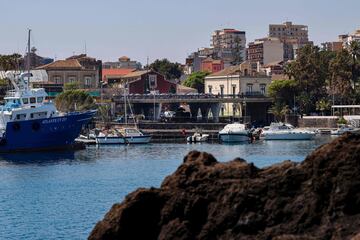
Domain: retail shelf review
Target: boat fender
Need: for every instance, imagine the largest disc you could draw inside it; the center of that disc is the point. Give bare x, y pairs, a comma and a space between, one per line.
35, 126
16, 126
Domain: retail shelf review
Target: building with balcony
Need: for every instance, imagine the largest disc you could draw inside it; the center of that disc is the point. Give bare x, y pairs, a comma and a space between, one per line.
293, 37
240, 81
265, 51
229, 45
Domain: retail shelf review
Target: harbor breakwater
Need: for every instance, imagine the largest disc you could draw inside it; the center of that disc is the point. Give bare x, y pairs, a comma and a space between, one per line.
318, 198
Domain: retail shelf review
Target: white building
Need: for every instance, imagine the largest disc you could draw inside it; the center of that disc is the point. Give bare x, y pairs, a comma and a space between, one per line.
346, 39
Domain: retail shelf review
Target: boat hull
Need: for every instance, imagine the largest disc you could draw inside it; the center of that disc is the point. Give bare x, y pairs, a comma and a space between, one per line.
231, 137
44, 134
124, 140
289, 136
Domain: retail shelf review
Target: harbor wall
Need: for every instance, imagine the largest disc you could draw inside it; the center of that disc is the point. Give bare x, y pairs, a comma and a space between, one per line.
318, 121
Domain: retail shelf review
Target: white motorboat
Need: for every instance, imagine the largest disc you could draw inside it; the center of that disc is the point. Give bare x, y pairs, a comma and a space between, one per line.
282, 131
197, 137
123, 136
343, 129
235, 132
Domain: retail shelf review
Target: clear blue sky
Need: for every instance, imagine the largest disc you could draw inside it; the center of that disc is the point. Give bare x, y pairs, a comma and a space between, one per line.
159, 28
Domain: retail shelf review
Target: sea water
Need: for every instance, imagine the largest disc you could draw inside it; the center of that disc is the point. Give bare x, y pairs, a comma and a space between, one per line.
61, 195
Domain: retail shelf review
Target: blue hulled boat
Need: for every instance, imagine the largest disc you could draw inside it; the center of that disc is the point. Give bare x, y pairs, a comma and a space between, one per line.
28, 122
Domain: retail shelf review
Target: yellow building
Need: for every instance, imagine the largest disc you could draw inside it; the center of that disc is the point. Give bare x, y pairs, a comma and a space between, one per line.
241, 81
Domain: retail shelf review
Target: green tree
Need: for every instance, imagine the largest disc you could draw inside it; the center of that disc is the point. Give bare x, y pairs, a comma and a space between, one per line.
74, 100
283, 91
168, 69
354, 50
279, 111
341, 76
322, 106
196, 80
10, 62
310, 71
104, 113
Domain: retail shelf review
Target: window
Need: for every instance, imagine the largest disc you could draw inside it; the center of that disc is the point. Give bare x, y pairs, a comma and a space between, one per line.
233, 89
40, 99
25, 100
57, 79
262, 88
152, 81
210, 88
249, 87
72, 79
222, 90
88, 81
32, 100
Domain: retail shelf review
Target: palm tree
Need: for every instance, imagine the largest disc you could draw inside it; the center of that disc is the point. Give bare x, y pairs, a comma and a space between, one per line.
322, 105
279, 111
354, 50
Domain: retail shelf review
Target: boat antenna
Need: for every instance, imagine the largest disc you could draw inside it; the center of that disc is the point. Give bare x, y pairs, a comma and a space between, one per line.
28, 60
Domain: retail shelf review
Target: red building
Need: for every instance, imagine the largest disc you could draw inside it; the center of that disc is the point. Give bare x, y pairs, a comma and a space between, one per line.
212, 66
144, 81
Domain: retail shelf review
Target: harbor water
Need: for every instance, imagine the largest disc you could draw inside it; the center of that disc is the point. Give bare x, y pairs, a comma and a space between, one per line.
61, 195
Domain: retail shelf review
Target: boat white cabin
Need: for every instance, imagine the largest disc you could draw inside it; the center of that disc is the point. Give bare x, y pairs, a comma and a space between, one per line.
285, 131
24, 103
235, 132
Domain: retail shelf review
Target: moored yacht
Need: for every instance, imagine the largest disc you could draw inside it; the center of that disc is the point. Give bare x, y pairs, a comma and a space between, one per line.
282, 131
235, 132
123, 136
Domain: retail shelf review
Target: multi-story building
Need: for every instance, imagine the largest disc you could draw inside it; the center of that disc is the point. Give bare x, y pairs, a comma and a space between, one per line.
346, 39
293, 37
265, 51
124, 62
332, 46
229, 45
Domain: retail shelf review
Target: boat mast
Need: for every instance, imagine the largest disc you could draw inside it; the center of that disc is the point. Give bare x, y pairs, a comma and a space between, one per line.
28, 62
125, 113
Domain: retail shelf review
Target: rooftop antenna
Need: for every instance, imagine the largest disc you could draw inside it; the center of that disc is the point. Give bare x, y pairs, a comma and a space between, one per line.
85, 49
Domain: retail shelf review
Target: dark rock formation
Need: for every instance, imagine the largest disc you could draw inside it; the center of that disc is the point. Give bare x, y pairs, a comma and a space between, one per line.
204, 199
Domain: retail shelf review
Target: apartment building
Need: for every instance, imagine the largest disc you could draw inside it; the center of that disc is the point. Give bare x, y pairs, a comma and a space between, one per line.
293, 36
229, 45
346, 39
265, 51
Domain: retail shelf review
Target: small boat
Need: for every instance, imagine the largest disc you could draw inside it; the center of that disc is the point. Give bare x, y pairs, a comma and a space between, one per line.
282, 131
123, 136
197, 137
343, 129
235, 132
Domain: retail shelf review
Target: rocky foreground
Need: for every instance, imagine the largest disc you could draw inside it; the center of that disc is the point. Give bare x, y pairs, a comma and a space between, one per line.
204, 199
